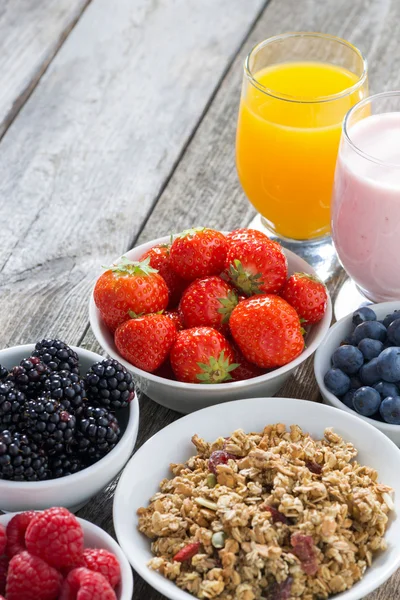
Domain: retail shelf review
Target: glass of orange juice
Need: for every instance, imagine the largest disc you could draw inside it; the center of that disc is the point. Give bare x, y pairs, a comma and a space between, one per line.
297, 89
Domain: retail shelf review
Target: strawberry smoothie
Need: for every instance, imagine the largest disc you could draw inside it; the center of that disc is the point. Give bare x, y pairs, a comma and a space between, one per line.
366, 205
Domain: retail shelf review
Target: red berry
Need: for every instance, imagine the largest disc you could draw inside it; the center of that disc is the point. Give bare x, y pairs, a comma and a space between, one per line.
208, 303
308, 296
187, 552
198, 252
3, 573
31, 578
255, 264
202, 355
304, 549
146, 341
82, 584
104, 562
160, 260
3, 539
16, 529
176, 317
267, 330
129, 287
246, 369
219, 457
243, 234
56, 536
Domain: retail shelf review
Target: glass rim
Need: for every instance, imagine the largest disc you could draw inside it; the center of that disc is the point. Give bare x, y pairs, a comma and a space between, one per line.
346, 133
299, 99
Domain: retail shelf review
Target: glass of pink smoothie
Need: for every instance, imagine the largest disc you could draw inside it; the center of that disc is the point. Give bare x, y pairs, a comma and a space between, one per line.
366, 197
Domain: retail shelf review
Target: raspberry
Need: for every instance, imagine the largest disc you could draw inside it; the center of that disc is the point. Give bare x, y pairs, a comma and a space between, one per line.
56, 536
3, 574
82, 584
16, 532
3, 539
30, 578
104, 562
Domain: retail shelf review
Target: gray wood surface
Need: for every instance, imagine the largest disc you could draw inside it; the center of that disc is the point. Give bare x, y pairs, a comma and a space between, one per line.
31, 33
129, 135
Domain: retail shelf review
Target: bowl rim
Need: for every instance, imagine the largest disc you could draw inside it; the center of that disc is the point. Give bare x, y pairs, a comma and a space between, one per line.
323, 327
126, 584
154, 579
76, 478
387, 428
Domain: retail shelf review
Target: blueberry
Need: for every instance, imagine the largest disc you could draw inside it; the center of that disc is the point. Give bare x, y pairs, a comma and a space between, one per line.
355, 383
386, 389
370, 329
390, 318
363, 314
390, 410
388, 364
370, 348
337, 382
393, 332
369, 372
348, 358
366, 401
348, 341
348, 399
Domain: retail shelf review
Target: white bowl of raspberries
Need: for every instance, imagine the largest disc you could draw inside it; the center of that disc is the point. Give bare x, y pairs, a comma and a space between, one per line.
53, 555
204, 317
68, 424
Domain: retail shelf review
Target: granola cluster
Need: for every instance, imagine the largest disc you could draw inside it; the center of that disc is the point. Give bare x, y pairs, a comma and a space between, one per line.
274, 515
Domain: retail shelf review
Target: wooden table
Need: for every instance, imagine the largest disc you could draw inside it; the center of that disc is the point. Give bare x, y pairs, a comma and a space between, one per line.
118, 124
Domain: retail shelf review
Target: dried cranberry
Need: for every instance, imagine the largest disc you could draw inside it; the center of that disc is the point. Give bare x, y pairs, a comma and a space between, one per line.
276, 515
314, 467
303, 548
219, 457
279, 591
187, 552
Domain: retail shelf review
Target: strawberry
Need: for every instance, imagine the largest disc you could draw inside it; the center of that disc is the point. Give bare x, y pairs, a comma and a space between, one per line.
208, 303
176, 317
255, 264
198, 252
246, 369
308, 296
146, 341
160, 260
243, 234
129, 286
267, 330
202, 355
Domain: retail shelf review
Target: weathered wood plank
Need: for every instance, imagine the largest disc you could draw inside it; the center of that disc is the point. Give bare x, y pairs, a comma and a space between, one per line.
30, 35
93, 146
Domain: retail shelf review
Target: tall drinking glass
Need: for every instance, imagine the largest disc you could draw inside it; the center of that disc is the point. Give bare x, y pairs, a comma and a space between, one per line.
366, 200
296, 91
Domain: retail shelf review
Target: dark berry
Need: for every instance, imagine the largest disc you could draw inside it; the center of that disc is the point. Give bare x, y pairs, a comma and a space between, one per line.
12, 402
347, 399
386, 389
388, 364
337, 382
348, 358
57, 355
393, 332
3, 372
391, 317
109, 384
65, 464
97, 433
370, 329
68, 388
20, 458
49, 425
30, 375
390, 410
363, 314
366, 401
370, 348
369, 373
355, 383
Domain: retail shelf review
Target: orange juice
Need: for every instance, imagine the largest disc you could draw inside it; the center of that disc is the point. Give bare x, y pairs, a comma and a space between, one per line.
287, 142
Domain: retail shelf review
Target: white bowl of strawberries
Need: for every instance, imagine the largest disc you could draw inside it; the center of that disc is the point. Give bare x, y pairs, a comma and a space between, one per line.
234, 311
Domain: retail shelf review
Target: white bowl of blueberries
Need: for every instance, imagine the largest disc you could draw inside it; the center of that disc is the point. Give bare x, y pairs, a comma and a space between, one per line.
357, 366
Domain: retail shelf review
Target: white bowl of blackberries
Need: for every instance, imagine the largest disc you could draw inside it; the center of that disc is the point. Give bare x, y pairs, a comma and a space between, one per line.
357, 366
68, 424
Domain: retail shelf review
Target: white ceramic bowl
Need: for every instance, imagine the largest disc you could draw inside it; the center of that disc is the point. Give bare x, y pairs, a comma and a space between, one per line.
188, 397
95, 537
150, 464
75, 490
322, 364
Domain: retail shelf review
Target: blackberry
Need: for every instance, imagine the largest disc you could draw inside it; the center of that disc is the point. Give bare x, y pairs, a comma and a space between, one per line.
68, 388
20, 459
3, 372
49, 425
57, 355
65, 464
12, 402
97, 433
30, 376
109, 384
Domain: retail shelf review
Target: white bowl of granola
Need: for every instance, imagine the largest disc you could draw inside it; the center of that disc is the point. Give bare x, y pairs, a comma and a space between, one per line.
283, 513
